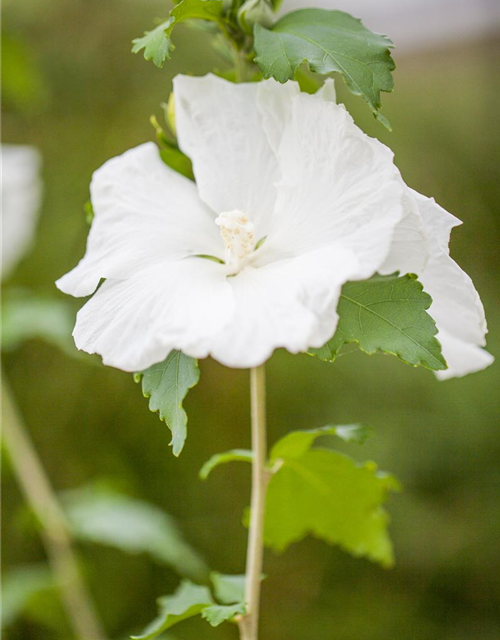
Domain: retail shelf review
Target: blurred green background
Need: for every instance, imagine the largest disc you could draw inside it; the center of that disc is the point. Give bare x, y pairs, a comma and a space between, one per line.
72, 88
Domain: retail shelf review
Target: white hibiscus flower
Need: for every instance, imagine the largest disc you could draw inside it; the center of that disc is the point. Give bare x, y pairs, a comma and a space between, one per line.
21, 196
292, 200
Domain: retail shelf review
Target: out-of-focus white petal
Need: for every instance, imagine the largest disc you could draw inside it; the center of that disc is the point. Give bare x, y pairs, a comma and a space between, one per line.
135, 323
456, 306
338, 185
21, 197
219, 127
291, 303
145, 213
462, 357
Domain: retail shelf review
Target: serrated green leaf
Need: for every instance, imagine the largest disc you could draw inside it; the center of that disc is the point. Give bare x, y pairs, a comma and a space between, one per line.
106, 517
297, 443
189, 600
166, 385
228, 589
234, 455
219, 613
329, 41
157, 44
328, 495
388, 314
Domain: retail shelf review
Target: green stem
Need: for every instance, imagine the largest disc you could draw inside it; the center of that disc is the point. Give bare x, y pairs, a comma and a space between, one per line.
240, 66
54, 529
249, 624
238, 55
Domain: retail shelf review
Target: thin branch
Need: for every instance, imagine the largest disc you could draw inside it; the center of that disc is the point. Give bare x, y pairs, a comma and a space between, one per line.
249, 623
54, 529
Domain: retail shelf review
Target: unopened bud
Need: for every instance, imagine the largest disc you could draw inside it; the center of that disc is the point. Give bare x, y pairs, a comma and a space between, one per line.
256, 12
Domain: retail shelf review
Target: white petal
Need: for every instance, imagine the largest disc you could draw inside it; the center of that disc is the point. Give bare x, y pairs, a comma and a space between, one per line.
219, 127
437, 221
327, 91
135, 323
462, 357
191, 306
409, 251
338, 185
144, 213
21, 196
274, 101
290, 304
456, 306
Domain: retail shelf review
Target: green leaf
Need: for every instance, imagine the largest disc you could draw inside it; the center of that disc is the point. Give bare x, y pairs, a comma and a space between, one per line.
328, 41
19, 586
197, 9
170, 153
322, 492
388, 314
178, 161
26, 316
219, 613
326, 494
157, 44
24, 87
106, 517
166, 385
228, 589
296, 443
189, 600
243, 455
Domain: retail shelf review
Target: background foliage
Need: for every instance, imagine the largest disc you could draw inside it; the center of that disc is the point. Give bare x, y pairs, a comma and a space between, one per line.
86, 99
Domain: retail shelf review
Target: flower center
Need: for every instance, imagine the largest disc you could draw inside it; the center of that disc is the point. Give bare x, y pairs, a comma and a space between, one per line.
237, 233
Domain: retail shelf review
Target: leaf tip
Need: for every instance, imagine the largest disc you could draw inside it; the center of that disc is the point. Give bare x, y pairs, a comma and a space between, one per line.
177, 447
204, 472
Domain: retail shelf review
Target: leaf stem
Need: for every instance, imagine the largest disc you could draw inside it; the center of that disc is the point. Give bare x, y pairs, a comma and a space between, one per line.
249, 623
240, 66
54, 529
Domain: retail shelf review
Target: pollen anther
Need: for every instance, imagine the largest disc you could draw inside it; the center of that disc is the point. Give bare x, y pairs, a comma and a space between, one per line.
237, 233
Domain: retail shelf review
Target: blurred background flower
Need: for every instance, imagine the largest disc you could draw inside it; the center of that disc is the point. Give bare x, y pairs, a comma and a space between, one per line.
72, 90
21, 198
